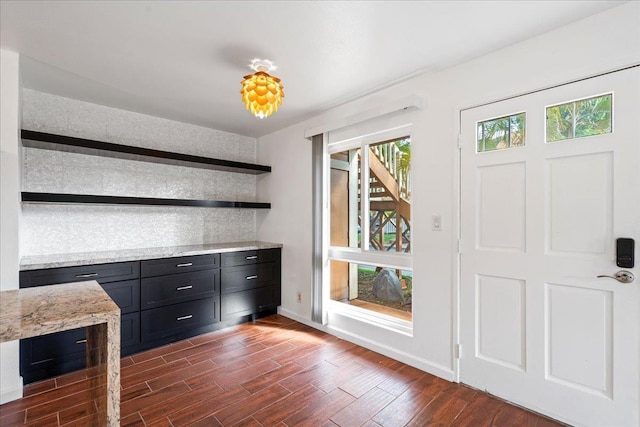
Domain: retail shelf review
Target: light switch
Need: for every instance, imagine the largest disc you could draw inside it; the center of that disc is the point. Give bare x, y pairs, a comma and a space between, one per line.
436, 223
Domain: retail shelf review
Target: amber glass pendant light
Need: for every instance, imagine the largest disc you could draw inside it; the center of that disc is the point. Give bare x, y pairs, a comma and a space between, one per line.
261, 92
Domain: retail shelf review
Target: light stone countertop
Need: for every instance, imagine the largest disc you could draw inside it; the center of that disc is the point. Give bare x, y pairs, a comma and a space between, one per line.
41, 310
37, 262
46, 309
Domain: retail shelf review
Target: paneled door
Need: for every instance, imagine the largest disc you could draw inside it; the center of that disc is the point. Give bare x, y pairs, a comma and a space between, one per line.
549, 181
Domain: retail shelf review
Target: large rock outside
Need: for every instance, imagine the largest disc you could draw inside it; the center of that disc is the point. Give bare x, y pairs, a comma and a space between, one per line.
386, 286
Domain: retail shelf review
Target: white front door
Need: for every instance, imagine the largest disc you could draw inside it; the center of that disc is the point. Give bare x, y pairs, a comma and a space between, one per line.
539, 222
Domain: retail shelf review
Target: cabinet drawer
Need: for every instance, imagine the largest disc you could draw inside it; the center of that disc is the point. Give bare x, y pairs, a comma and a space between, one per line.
248, 257
248, 302
103, 273
166, 321
164, 290
236, 279
126, 294
56, 354
159, 267
48, 348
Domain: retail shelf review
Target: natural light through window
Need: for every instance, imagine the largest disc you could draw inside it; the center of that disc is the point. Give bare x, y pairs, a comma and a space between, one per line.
370, 225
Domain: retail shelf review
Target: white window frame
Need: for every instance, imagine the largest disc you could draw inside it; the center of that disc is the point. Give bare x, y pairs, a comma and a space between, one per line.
574, 101
361, 255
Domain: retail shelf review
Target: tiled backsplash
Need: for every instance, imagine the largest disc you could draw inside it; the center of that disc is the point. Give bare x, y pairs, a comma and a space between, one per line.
50, 229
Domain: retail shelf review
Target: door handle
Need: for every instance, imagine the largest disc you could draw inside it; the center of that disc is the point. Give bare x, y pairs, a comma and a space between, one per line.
622, 276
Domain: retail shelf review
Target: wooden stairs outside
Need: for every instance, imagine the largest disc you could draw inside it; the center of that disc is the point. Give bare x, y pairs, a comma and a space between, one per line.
388, 194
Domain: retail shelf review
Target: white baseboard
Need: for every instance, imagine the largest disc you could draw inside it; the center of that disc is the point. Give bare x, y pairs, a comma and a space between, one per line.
14, 393
417, 362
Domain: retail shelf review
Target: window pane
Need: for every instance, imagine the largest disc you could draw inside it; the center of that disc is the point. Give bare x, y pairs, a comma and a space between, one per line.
578, 119
383, 290
593, 116
560, 122
345, 190
517, 130
501, 133
390, 196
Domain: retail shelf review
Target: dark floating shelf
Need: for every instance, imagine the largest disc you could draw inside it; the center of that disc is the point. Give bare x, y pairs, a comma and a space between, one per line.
30, 197
48, 141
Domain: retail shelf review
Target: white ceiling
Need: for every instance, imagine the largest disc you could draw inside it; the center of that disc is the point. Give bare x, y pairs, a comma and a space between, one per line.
184, 60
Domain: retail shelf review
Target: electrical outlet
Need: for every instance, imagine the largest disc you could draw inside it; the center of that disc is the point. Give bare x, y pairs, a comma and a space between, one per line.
299, 297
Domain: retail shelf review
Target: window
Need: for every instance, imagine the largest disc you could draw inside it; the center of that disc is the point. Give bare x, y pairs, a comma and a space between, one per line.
370, 223
500, 133
382, 290
577, 119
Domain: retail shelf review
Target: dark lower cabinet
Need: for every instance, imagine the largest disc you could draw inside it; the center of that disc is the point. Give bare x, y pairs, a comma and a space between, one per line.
103, 273
177, 318
164, 266
246, 277
55, 354
174, 288
250, 282
129, 332
248, 302
126, 294
161, 301
50, 355
179, 296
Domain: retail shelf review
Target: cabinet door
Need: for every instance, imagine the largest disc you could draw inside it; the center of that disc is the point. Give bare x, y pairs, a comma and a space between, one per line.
160, 267
248, 302
103, 273
129, 331
176, 288
126, 294
166, 321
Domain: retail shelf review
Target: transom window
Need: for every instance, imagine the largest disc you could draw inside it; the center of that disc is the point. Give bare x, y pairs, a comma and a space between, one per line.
501, 132
580, 118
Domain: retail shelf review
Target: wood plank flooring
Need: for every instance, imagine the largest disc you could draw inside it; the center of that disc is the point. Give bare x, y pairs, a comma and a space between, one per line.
271, 372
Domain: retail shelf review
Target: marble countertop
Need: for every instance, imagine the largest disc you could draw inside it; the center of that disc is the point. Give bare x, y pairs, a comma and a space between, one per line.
37, 262
43, 310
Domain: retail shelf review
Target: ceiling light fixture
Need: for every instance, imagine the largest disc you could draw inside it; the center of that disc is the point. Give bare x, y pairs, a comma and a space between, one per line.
261, 92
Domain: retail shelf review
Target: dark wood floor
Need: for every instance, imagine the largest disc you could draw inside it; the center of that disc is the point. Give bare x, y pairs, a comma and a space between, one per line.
272, 372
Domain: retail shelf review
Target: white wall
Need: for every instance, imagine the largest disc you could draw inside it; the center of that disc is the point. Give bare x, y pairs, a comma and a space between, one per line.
52, 228
10, 380
600, 43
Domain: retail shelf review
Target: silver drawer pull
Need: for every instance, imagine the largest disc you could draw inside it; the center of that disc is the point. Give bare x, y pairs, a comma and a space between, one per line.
81, 341
184, 288
251, 277
251, 257
188, 316
84, 276
186, 264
